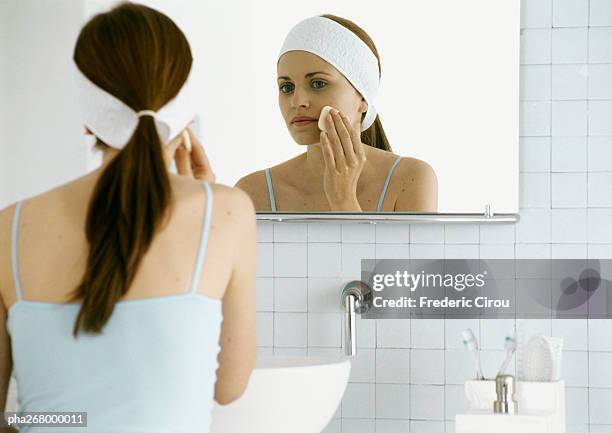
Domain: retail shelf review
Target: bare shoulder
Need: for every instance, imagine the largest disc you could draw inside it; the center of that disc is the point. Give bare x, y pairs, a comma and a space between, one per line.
255, 186
416, 186
6, 219
232, 202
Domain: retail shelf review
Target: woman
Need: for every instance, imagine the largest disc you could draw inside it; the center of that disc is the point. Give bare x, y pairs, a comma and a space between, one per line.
123, 291
348, 166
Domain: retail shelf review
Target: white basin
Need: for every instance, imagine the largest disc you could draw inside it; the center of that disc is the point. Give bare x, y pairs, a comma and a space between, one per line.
286, 394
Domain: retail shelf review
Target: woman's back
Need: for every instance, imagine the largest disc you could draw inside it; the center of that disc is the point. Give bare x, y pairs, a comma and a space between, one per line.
154, 363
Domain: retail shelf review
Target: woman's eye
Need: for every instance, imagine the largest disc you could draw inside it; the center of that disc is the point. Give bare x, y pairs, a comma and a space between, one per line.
286, 88
318, 84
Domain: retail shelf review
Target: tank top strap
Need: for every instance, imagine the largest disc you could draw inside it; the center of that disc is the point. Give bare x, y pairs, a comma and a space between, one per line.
270, 190
14, 251
203, 237
387, 180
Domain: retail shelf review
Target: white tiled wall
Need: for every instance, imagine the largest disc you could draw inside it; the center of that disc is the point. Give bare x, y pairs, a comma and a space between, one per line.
408, 375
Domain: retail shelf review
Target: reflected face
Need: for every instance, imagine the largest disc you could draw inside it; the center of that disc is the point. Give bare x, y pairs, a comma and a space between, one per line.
307, 83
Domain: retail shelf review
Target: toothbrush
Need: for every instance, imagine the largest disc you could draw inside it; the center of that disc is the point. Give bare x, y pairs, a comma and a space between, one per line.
469, 341
510, 346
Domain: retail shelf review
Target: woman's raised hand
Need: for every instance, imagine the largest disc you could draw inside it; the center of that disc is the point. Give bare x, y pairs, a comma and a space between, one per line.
194, 164
344, 157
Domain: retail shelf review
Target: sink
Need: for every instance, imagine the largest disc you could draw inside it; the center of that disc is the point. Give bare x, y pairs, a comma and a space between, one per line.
286, 394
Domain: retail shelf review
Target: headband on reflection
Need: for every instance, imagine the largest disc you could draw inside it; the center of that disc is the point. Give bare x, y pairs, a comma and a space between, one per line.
343, 49
114, 122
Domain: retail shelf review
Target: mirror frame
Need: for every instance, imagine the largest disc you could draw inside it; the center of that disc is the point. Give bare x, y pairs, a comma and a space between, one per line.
374, 218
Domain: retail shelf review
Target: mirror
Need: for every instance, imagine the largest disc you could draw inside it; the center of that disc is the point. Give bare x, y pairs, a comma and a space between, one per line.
448, 103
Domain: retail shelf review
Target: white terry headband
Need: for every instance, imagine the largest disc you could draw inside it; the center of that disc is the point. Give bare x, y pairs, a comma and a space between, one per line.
114, 122
343, 49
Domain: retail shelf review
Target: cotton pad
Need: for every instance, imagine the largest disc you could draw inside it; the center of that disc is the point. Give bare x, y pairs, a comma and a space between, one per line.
324, 112
186, 141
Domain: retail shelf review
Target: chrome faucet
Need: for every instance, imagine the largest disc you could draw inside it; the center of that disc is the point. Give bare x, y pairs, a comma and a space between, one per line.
504, 388
356, 298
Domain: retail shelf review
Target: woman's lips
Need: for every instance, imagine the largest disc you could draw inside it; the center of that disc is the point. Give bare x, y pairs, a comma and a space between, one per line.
303, 122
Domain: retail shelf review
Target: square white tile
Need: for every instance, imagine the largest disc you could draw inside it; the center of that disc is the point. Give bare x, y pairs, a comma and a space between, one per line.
534, 154
359, 401
290, 232
324, 260
265, 259
573, 332
535, 82
600, 45
534, 190
392, 233
393, 401
392, 426
535, 118
325, 295
290, 295
265, 329
352, 254
569, 225
264, 299
600, 373
427, 333
601, 13
393, 366
290, 259
569, 82
569, 154
569, 118
570, 13
569, 190
600, 335
600, 81
569, 45
324, 232
598, 225
363, 366
325, 329
600, 189
535, 46
459, 366
461, 233
536, 13
358, 426
265, 231
427, 233
600, 153
427, 367
599, 401
600, 118
533, 226
358, 232
290, 329
427, 402
393, 333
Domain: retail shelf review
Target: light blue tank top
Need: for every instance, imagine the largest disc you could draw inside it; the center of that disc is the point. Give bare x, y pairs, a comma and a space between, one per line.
381, 199
152, 370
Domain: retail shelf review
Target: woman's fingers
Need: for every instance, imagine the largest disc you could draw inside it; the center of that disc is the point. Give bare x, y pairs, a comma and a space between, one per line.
345, 139
182, 159
355, 138
199, 161
336, 145
328, 154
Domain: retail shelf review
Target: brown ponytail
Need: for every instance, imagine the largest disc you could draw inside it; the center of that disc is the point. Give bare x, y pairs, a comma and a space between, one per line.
140, 56
375, 135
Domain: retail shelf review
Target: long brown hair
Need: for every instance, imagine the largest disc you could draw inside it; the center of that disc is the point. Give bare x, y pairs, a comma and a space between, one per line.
375, 135
141, 57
